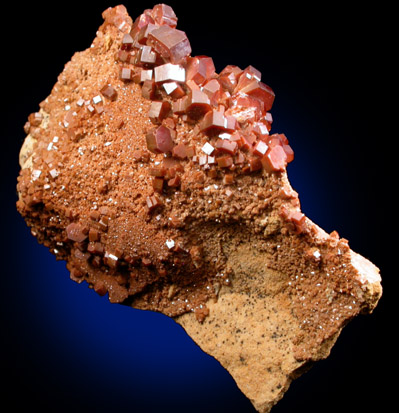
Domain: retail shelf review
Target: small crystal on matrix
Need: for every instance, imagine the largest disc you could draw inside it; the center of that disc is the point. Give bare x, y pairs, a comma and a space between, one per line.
159, 140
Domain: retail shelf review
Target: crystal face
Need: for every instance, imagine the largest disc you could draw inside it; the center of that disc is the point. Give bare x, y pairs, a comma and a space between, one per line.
159, 110
170, 43
200, 69
109, 92
275, 159
164, 14
76, 232
169, 72
159, 140
198, 104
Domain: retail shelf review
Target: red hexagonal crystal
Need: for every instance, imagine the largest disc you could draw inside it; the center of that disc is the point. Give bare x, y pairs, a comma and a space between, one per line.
231, 123
225, 161
76, 232
226, 146
289, 152
170, 43
247, 141
261, 130
260, 148
298, 218
145, 75
214, 121
200, 68
282, 137
119, 17
109, 92
281, 140
228, 77
197, 104
159, 110
260, 91
126, 73
146, 56
153, 202
164, 14
144, 32
248, 75
35, 119
169, 72
211, 87
157, 184
174, 90
127, 42
245, 108
180, 105
148, 89
255, 164
159, 140
239, 159
141, 22
220, 97
275, 159
175, 181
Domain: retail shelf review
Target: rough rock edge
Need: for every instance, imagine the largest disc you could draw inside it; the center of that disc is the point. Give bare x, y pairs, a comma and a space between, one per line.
243, 354
275, 362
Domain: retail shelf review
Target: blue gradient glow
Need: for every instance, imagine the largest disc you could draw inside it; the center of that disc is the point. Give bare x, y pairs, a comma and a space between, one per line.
106, 355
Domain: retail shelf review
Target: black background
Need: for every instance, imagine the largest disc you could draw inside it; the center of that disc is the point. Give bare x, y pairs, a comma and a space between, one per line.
329, 66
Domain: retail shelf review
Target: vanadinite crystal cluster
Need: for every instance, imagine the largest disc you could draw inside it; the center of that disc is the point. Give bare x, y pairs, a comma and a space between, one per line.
194, 134
159, 182
228, 112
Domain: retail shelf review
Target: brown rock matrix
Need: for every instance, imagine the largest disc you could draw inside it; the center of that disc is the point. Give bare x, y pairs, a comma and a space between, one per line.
160, 183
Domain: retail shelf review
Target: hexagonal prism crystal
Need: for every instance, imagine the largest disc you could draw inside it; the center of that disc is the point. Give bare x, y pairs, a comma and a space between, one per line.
260, 129
141, 22
126, 73
144, 32
213, 121
228, 77
211, 87
225, 161
260, 91
179, 106
146, 56
169, 72
159, 110
275, 159
127, 42
248, 74
174, 90
109, 92
159, 140
198, 104
148, 89
226, 146
200, 69
164, 14
170, 43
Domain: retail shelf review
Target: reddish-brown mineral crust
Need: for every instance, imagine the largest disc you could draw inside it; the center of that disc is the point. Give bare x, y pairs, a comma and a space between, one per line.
156, 179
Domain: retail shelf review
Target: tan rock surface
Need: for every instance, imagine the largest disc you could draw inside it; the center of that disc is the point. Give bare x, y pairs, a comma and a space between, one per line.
252, 328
